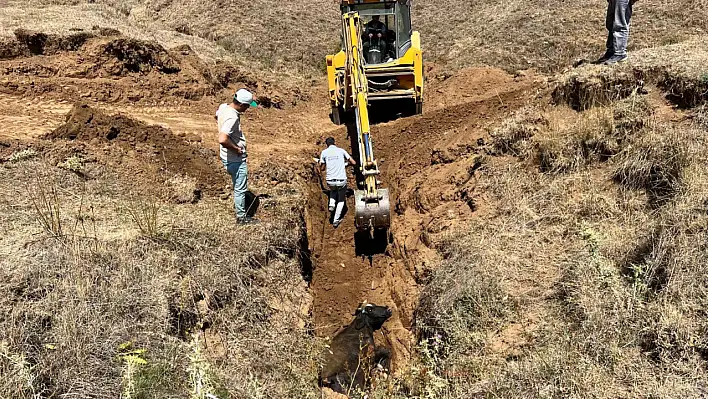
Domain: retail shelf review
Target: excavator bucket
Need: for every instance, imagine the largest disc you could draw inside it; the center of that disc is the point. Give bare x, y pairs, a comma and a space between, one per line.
372, 214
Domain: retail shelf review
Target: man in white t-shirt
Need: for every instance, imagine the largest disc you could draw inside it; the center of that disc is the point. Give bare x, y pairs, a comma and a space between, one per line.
336, 159
232, 148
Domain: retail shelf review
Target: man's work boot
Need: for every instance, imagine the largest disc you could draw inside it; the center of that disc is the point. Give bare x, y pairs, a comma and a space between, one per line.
608, 54
247, 221
616, 59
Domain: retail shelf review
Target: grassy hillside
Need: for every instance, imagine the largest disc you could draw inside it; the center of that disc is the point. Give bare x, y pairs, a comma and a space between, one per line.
520, 34
588, 280
292, 38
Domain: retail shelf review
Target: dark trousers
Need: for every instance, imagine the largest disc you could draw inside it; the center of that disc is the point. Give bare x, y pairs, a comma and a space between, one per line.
619, 12
337, 197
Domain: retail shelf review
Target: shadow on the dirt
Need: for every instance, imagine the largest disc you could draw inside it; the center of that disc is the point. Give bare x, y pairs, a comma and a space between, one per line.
252, 203
368, 244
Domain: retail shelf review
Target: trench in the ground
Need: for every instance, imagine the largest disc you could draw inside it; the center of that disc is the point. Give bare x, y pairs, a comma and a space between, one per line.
345, 270
349, 268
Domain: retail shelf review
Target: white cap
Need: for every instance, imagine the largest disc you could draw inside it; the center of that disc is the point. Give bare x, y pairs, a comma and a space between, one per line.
244, 96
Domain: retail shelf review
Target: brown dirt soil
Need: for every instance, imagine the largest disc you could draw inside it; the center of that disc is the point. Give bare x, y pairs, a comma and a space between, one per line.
428, 163
120, 70
154, 144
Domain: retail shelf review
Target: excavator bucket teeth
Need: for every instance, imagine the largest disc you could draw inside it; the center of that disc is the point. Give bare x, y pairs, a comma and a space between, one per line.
372, 214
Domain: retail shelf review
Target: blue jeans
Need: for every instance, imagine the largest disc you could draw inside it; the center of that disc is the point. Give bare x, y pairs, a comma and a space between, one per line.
239, 177
619, 13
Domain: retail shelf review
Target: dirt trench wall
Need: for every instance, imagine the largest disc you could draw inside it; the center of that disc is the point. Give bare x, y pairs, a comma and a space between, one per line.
344, 276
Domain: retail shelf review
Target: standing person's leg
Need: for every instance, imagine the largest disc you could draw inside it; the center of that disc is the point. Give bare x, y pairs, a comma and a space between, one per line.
622, 13
239, 177
332, 197
609, 23
341, 196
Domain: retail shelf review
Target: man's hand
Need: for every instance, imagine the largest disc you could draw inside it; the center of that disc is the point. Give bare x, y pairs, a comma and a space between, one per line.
225, 141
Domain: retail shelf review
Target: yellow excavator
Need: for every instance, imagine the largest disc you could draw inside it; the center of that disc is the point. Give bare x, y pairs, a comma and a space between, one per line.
380, 67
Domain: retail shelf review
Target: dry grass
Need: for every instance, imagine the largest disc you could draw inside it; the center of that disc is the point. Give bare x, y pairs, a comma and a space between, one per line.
535, 34
100, 311
512, 35
594, 277
655, 162
678, 69
560, 140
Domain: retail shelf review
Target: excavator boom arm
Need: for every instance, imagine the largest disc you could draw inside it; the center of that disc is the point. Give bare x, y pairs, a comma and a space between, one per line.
372, 205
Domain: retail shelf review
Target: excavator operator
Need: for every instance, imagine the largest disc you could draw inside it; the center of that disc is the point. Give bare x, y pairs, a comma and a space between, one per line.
375, 28
376, 38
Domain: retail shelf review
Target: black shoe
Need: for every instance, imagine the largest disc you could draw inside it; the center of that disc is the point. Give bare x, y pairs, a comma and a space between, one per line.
608, 54
616, 59
247, 221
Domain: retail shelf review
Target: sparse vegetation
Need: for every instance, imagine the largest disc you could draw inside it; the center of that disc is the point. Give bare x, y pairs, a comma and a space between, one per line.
22, 155
568, 260
45, 201
611, 259
74, 163
145, 215
70, 309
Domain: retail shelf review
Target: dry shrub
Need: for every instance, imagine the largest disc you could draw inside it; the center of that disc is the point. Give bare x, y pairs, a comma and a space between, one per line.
45, 201
514, 133
573, 141
655, 162
561, 140
565, 147
72, 309
144, 213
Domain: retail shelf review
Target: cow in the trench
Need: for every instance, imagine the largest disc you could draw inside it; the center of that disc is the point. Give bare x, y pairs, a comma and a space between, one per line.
352, 355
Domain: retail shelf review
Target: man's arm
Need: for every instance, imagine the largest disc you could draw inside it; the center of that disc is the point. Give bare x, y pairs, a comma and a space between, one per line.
225, 138
226, 141
349, 158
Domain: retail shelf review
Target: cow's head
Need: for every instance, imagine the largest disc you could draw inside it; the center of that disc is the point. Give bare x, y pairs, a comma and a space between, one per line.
368, 314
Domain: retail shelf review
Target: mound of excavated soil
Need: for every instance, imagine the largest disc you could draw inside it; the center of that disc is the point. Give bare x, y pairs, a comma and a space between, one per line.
154, 144
29, 43
104, 66
124, 55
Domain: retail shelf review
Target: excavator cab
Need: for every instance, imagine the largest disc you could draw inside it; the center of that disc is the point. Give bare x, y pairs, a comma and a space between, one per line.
393, 62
